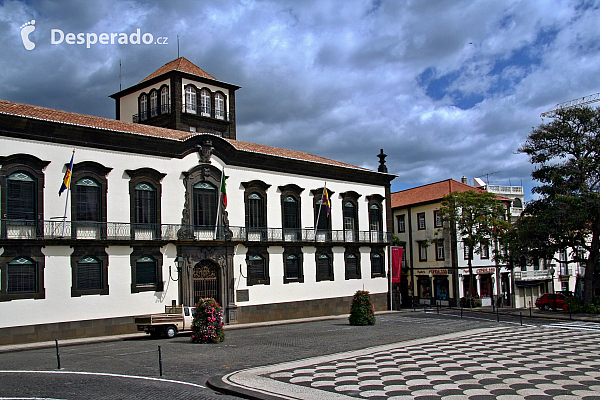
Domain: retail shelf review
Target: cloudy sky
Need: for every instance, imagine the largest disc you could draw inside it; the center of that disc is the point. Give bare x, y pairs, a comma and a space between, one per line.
446, 88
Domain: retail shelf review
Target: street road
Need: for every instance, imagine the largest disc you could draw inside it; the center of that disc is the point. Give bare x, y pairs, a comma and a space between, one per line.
130, 369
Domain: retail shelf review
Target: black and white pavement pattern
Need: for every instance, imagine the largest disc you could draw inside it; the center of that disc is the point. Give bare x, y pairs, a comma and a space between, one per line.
558, 361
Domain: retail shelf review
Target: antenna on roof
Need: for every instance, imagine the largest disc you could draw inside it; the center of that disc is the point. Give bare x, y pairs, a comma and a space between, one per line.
178, 45
487, 176
119, 74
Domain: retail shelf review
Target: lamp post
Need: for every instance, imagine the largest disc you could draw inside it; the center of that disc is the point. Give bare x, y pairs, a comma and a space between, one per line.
551, 270
431, 286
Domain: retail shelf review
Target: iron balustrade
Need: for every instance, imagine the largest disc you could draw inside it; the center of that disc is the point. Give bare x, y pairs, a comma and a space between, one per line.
56, 229
154, 112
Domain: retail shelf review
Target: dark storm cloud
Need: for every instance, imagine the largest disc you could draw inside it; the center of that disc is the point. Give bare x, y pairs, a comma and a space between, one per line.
446, 88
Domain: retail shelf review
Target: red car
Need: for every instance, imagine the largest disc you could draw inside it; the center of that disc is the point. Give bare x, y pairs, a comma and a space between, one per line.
551, 301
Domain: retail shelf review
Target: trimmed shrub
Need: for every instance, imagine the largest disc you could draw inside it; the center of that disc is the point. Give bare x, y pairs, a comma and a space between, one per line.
362, 311
207, 326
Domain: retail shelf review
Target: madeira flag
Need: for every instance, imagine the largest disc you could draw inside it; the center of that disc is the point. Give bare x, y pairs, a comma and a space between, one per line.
67, 179
325, 201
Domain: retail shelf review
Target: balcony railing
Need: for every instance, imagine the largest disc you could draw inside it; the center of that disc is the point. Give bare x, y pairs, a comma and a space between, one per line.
208, 112
532, 275
498, 189
56, 229
156, 111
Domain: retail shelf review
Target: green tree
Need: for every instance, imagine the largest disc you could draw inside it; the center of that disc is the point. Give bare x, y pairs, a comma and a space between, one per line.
566, 156
478, 219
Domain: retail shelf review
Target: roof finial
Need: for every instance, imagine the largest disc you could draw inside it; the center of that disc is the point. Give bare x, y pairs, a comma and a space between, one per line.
382, 166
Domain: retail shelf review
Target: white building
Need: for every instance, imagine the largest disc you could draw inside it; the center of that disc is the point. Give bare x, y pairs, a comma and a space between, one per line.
146, 225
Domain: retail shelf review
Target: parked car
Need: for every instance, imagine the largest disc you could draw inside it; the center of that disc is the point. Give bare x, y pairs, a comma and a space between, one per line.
175, 319
551, 301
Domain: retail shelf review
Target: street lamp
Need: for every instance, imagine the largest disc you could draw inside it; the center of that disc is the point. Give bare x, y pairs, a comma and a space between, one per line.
431, 286
178, 266
551, 270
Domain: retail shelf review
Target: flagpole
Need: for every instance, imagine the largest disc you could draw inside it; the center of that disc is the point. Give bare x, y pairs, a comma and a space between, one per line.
219, 203
68, 190
319, 212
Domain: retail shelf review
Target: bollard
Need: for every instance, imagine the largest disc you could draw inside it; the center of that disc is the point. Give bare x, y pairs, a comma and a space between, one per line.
497, 315
159, 361
438, 309
530, 311
461, 309
424, 308
521, 317
414, 306
570, 312
57, 353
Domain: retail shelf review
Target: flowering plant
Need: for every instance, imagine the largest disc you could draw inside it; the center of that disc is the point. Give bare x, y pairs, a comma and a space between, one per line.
362, 311
207, 326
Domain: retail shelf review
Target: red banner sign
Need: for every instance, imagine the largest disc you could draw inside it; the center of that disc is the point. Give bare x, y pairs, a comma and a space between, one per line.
396, 263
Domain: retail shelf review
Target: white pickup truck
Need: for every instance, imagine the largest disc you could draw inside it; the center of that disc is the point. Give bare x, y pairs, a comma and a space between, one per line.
175, 319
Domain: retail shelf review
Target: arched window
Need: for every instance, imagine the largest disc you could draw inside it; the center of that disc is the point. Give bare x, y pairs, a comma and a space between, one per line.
21, 197
164, 100
205, 103
143, 107
377, 264
292, 267
204, 204
350, 221
153, 103
324, 267
352, 265
89, 274
190, 100
375, 218
291, 214
219, 106
22, 276
144, 204
145, 271
322, 219
88, 200
257, 269
256, 212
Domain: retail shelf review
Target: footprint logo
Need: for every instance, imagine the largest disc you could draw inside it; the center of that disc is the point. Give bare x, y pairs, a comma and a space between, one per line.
26, 29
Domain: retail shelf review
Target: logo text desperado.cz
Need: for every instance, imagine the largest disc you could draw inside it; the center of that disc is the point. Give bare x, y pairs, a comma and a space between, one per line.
57, 36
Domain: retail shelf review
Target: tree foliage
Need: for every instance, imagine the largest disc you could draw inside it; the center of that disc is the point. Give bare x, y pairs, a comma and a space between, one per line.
479, 220
566, 156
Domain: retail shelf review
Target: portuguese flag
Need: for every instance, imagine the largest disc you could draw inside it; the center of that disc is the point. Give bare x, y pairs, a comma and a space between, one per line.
223, 189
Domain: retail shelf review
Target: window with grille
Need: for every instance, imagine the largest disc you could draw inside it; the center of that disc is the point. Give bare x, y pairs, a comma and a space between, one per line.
349, 217
466, 254
439, 251
22, 276
145, 204
292, 267
324, 267
153, 103
164, 100
143, 107
421, 221
219, 106
89, 274
437, 219
256, 269
352, 266
256, 212
145, 271
375, 218
205, 103
401, 222
485, 252
190, 100
422, 251
291, 213
205, 204
21, 197
88, 200
377, 264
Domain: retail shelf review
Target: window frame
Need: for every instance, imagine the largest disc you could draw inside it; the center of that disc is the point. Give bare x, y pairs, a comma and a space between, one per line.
153, 178
149, 251
165, 100
422, 250
317, 204
437, 219
440, 254
219, 100
251, 253
401, 223
205, 102
154, 108
352, 271
32, 253
254, 222
421, 218
297, 252
324, 251
143, 107
381, 256
190, 103
99, 253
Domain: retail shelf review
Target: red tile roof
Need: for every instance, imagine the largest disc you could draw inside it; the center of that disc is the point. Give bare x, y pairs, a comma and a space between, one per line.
90, 121
181, 64
430, 192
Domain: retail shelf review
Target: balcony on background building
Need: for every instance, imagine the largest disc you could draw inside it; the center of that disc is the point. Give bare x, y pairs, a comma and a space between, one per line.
505, 190
117, 231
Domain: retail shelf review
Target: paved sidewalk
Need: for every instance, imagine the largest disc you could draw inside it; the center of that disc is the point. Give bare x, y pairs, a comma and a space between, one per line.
501, 363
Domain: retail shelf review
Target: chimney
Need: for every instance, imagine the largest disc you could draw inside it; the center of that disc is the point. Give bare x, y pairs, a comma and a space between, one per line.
464, 180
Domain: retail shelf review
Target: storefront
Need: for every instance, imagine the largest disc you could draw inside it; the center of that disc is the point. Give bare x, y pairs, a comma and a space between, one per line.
433, 286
